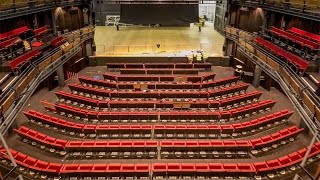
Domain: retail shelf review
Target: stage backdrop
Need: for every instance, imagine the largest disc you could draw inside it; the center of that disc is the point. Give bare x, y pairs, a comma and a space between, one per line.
164, 14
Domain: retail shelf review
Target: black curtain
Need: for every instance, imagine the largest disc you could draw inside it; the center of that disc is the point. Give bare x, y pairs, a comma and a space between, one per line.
163, 14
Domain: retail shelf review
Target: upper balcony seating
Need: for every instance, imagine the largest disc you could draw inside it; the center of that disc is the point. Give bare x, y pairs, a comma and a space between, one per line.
67, 146
159, 65
41, 31
58, 41
6, 45
158, 85
271, 168
308, 35
160, 131
101, 93
297, 39
295, 60
92, 103
25, 58
194, 79
14, 33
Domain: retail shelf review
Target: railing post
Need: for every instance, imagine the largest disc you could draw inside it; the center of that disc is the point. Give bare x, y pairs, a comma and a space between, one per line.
5, 145
304, 161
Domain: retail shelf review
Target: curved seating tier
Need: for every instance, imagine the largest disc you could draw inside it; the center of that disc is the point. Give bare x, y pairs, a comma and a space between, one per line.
159, 65
166, 148
14, 33
89, 102
308, 35
159, 71
158, 85
158, 94
172, 131
164, 116
25, 58
297, 39
194, 79
298, 61
275, 168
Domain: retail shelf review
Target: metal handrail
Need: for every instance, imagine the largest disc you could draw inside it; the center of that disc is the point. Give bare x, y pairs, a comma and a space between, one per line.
305, 113
26, 72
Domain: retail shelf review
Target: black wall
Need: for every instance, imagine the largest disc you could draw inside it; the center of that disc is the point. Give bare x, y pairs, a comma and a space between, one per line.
167, 15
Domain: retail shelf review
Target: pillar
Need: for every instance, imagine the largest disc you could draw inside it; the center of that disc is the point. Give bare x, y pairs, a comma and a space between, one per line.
303, 125
13, 126
257, 76
89, 48
318, 60
54, 23
60, 75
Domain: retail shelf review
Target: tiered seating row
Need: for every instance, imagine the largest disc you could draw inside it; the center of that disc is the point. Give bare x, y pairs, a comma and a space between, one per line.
102, 93
14, 33
305, 34
159, 65
158, 85
25, 58
196, 170
40, 31
114, 116
302, 41
8, 43
193, 79
301, 63
159, 71
77, 99
58, 41
160, 131
151, 145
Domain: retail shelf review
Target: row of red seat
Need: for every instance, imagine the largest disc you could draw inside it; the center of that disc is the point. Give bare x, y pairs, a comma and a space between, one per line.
157, 103
301, 63
193, 79
300, 40
194, 169
159, 65
129, 145
13, 33
166, 115
113, 129
308, 35
25, 58
58, 41
8, 43
159, 71
159, 85
160, 94
40, 31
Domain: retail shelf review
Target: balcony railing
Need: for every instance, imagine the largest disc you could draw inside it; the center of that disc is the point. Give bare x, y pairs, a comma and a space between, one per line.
300, 94
14, 98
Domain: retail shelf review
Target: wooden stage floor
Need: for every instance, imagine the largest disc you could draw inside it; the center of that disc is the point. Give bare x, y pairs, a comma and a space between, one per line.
143, 40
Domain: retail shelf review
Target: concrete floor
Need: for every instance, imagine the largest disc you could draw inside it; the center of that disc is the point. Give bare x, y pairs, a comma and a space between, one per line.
143, 40
44, 94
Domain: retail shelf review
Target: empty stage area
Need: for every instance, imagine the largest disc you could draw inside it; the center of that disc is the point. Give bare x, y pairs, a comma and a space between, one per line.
144, 40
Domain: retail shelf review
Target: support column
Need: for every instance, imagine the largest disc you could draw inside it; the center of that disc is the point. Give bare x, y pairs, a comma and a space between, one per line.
89, 48
264, 17
13, 126
54, 23
60, 75
318, 61
304, 126
257, 76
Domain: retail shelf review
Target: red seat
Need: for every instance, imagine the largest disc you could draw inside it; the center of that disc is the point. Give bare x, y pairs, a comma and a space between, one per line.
57, 41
